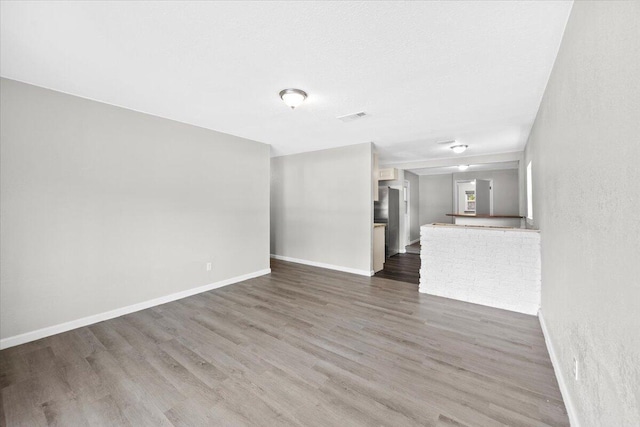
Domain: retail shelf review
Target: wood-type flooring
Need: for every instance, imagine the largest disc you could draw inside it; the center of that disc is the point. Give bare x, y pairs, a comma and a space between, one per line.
301, 346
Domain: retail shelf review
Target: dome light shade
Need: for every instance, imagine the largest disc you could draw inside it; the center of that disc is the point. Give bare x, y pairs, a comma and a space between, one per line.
293, 97
459, 148
463, 167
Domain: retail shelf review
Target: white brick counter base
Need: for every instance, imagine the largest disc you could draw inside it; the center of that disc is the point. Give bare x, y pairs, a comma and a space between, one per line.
489, 266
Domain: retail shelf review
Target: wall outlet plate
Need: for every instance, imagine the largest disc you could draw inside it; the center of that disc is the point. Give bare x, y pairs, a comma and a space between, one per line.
208, 266
575, 369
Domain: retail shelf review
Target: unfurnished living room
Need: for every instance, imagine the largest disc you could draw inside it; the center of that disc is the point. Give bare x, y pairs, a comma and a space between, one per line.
322, 213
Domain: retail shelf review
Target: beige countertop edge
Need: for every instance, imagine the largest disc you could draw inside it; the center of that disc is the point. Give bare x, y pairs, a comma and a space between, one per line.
479, 227
375, 224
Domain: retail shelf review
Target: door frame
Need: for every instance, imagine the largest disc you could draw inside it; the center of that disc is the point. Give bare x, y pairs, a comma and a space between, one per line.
407, 188
456, 194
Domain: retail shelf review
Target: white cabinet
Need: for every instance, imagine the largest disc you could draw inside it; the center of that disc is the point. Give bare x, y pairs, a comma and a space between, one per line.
378, 247
388, 174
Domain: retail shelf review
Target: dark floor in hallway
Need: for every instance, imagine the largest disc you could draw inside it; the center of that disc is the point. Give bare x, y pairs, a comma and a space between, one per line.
413, 248
402, 267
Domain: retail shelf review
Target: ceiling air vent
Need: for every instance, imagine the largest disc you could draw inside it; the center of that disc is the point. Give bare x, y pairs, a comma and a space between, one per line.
351, 117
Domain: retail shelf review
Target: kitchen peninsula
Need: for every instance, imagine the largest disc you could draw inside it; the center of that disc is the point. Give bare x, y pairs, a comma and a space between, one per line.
494, 266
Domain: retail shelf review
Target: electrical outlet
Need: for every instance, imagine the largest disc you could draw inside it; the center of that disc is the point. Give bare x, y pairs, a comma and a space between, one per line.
576, 372
208, 266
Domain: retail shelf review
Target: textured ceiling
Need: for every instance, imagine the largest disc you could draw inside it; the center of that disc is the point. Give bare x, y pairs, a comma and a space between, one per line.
424, 71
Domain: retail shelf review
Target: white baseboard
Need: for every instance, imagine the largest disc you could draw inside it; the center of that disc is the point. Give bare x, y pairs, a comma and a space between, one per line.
89, 320
562, 382
323, 265
414, 241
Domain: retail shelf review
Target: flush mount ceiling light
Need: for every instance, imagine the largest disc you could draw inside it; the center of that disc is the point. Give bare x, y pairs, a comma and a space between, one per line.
459, 148
293, 97
463, 167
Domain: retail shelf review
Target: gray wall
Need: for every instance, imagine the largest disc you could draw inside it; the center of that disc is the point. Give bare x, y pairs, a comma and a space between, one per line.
322, 206
435, 198
103, 207
506, 188
414, 204
585, 150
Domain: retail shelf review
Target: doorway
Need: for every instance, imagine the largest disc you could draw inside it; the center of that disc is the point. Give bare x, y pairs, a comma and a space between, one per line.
401, 265
473, 197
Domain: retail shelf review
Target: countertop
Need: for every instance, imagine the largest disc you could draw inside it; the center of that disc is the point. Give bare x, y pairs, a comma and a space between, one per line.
484, 216
480, 227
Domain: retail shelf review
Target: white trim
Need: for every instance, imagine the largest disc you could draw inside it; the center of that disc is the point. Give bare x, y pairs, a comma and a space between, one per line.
89, 320
323, 265
562, 382
529, 186
414, 241
407, 214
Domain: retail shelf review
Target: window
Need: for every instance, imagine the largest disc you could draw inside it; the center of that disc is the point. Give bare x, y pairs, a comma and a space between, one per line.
529, 193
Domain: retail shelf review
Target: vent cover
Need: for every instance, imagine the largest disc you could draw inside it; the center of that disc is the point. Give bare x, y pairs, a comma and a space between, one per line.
351, 117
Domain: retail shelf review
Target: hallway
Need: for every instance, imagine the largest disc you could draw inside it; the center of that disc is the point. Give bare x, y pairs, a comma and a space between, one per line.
402, 267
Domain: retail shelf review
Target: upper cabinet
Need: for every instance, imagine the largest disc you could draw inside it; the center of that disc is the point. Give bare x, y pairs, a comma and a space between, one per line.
388, 174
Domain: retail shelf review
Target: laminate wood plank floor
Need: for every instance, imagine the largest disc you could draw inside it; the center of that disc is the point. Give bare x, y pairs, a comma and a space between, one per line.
302, 346
403, 267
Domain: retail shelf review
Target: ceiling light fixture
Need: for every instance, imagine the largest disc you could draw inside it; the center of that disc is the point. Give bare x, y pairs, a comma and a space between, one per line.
459, 148
293, 97
463, 167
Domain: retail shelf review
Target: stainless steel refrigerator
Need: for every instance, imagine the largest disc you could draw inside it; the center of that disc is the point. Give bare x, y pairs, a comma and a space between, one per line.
387, 211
